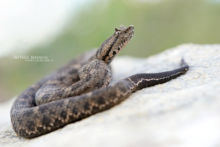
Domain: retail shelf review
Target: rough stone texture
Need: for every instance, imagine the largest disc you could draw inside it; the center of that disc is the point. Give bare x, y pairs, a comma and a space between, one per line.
181, 113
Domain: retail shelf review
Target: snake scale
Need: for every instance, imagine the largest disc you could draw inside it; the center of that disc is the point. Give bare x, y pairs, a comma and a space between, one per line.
80, 89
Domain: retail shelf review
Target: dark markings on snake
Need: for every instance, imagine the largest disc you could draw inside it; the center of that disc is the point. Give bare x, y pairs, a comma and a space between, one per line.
46, 121
80, 89
110, 48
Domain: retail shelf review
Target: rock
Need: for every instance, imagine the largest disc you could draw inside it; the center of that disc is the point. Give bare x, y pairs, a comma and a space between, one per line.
181, 113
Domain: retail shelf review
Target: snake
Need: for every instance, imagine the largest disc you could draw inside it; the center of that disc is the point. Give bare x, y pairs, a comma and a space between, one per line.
81, 88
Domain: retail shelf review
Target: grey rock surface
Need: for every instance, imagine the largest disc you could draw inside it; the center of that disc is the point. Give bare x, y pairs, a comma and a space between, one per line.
181, 113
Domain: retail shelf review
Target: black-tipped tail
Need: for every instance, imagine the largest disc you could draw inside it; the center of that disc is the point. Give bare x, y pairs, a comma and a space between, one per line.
144, 80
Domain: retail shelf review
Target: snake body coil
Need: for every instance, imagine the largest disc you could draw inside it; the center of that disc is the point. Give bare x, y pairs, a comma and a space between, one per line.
80, 89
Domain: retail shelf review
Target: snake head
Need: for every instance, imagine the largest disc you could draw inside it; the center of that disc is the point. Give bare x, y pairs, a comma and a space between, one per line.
115, 43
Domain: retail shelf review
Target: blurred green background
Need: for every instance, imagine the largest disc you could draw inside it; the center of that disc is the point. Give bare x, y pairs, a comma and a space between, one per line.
158, 26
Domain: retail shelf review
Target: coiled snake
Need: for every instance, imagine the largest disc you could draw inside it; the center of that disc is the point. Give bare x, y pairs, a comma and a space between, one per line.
80, 89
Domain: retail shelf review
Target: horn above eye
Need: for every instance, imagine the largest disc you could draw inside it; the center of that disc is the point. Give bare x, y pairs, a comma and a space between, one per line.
116, 29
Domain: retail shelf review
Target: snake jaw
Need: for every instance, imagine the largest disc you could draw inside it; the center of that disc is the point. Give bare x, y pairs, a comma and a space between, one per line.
111, 47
